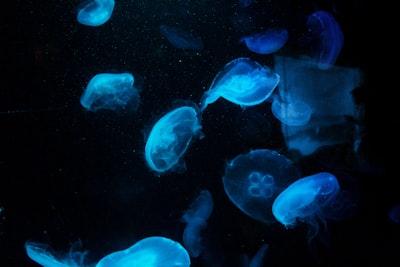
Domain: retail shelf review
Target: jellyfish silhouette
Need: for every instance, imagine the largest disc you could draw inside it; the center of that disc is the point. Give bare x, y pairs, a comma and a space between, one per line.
169, 139
113, 91
253, 180
306, 200
155, 251
196, 218
291, 111
267, 42
180, 38
96, 12
243, 82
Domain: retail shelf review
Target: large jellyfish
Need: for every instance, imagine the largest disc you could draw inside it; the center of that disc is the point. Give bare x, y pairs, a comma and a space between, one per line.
155, 251
306, 200
243, 82
267, 42
114, 91
170, 137
196, 218
253, 180
96, 12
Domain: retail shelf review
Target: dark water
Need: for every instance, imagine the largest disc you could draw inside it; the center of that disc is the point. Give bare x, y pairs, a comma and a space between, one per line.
68, 174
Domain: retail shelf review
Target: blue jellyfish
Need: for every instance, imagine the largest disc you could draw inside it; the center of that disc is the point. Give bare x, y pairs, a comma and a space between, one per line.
243, 82
155, 251
96, 12
112, 91
43, 254
306, 200
253, 180
259, 258
394, 213
181, 39
196, 218
291, 111
266, 42
324, 27
170, 137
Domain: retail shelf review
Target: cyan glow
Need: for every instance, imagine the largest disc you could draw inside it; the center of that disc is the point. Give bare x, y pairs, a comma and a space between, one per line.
304, 199
112, 91
181, 39
329, 37
196, 218
42, 254
292, 112
96, 13
253, 180
170, 137
243, 82
155, 251
266, 42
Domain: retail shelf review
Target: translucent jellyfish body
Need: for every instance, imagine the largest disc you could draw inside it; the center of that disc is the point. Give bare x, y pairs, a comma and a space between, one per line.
113, 91
155, 251
292, 112
305, 200
253, 180
170, 137
96, 12
243, 82
267, 42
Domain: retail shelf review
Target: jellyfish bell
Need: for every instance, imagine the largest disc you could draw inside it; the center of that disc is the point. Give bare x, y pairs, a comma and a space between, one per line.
253, 180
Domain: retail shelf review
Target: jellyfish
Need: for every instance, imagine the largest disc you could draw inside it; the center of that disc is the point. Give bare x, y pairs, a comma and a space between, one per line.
96, 12
292, 111
306, 200
43, 254
196, 218
170, 137
266, 42
253, 180
243, 82
181, 39
394, 213
113, 91
329, 38
155, 251
259, 258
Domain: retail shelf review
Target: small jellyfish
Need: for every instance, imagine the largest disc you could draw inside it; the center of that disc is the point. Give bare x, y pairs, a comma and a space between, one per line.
243, 82
267, 42
155, 251
306, 200
329, 38
253, 180
292, 112
96, 12
180, 38
196, 218
113, 91
170, 137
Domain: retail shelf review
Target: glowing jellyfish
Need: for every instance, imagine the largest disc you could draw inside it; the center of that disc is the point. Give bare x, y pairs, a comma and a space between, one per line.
196, 218
155, 251
243, 82
170, 137
329, 37
96, 12
112, 91
44, 255
292, 112
266, 42
253, 180
305, 200
180, 38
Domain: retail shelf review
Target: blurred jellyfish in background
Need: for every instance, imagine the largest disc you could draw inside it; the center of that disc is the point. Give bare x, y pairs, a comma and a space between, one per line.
170, 137
327, 37
394, 213
96, 12
44, 255
307, 200
180, 38
267, 42
243, 82
155, 251
112, 91
314, 105
253, 180
196, 218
